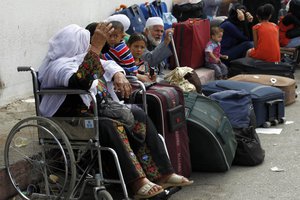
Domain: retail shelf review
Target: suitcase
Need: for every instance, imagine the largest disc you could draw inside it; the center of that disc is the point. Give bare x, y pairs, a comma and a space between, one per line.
190, 39
212, 141
160, 7
148, 10
165, 107
136, 17
252, 66
287, 85
268, 102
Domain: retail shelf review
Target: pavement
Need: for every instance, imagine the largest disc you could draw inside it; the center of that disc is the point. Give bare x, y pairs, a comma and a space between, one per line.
247, 183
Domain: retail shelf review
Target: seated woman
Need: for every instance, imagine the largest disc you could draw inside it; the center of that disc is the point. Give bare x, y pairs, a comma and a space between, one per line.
73, 62
236, 38
289, 26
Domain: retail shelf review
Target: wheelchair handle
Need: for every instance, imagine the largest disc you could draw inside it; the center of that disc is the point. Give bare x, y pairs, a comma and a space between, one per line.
23, 69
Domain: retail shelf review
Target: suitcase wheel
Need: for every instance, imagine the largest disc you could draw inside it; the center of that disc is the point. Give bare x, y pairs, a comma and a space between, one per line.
282, 120
275, 122
267, 125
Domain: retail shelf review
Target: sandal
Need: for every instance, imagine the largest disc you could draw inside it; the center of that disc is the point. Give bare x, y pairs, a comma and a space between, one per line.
142, 193
176, 181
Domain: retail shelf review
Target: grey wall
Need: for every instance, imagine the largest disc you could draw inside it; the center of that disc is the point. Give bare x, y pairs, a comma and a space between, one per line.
27, 25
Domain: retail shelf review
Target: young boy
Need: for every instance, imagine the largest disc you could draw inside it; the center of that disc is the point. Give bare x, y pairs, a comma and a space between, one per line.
118, 50
212, 54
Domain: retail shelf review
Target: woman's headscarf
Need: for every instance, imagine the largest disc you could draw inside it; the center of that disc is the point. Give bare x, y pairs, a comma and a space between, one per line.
233, 18
66, 52
232, 14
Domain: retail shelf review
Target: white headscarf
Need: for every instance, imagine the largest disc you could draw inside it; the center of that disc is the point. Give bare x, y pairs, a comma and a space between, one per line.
66, 52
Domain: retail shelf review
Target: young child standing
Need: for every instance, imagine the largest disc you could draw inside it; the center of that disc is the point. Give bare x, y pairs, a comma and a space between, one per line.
265, 36
137, 44
118, 50
213, 55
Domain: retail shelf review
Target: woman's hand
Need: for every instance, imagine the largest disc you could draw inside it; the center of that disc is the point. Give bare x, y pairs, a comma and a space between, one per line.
240, 15
100, 35
249, 17
122, 85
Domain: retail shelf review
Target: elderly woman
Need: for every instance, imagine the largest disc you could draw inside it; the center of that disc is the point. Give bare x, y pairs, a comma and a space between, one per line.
73, 62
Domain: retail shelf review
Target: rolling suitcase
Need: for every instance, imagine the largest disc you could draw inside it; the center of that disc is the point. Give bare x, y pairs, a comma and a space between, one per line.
212, 141
148, 10
252, 66
268, 102
190, 38
287, 85
136, 17
165, 107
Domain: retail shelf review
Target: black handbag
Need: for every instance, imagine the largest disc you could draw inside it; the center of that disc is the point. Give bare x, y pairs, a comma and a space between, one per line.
185, 11
117, 111
249, 151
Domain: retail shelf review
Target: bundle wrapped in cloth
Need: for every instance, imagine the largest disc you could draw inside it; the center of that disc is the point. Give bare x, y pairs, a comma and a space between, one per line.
185, 78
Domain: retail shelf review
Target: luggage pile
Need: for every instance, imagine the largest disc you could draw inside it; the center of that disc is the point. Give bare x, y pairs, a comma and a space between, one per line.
213, 127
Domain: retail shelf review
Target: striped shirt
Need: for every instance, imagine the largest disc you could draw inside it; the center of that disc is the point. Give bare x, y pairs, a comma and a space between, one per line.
121, 54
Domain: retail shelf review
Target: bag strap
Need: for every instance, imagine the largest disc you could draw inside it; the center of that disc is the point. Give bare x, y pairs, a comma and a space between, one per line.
190, 101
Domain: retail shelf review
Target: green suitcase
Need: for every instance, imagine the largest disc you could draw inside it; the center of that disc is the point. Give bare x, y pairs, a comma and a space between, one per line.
212, 141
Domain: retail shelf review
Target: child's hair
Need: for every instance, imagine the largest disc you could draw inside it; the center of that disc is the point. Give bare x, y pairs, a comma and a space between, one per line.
117, 25
214, 30
265, 12
136, 37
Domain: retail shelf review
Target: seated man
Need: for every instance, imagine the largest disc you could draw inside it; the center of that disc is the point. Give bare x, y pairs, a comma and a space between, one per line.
157, 51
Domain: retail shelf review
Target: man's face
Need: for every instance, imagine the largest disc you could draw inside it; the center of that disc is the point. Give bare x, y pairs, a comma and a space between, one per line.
155, 34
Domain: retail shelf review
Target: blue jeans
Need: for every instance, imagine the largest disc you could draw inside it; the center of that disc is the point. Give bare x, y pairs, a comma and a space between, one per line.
294, 42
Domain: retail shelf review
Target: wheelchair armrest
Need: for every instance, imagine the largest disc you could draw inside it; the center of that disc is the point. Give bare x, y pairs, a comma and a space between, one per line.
131, 78
62, 90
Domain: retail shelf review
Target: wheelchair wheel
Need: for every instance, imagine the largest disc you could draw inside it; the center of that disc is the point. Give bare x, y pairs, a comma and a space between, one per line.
39, 160
103, 195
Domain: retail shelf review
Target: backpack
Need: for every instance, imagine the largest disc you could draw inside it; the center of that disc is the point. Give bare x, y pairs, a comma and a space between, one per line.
239, 110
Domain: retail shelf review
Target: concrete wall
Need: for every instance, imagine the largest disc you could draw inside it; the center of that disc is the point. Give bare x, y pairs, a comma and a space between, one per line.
26, 27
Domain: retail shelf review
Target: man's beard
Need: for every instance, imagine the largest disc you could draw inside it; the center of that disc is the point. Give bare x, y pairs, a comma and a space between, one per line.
153, 41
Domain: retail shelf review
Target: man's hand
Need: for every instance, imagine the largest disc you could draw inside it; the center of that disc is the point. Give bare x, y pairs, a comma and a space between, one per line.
168, 38
122, 85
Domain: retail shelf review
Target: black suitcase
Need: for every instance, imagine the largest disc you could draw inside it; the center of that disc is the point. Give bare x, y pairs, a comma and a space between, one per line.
165, 107
252, 66
268, 101
212, 141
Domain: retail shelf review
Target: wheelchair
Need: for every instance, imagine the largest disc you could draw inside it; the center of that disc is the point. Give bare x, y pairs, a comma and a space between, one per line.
53, 151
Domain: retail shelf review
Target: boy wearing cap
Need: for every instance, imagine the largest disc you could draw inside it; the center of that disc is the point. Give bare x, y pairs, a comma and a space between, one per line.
119, 51
157, 51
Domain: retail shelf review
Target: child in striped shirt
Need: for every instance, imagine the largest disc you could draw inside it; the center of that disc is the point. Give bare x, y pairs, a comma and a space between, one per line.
119, 51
